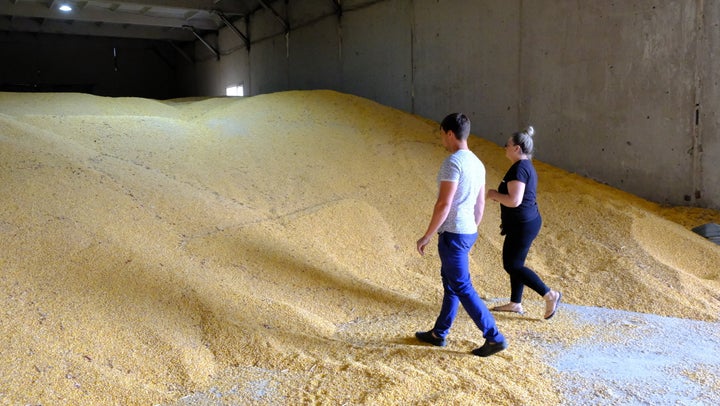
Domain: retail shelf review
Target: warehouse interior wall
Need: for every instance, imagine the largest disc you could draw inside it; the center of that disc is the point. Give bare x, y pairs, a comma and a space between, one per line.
625, 93
618, 88
95, 65
708, 139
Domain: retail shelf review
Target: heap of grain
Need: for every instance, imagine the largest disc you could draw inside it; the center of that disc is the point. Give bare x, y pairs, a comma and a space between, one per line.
263, 249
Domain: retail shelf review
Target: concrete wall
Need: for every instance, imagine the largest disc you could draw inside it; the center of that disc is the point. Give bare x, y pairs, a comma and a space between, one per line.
377, 46
52, 63
611, 87
466, 59
709, 109
622, 92
313, 48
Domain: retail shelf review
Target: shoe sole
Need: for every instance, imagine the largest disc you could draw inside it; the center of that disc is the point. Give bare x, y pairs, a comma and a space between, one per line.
557, 304
495, 309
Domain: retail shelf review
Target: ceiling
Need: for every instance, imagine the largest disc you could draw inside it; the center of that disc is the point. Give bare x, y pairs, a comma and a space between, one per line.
175, 20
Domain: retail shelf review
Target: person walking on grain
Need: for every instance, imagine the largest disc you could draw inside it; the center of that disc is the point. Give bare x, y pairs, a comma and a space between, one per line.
520, 223
456, 216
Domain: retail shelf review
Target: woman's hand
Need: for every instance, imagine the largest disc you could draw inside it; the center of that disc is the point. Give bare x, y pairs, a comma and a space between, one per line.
492, 194
516, 190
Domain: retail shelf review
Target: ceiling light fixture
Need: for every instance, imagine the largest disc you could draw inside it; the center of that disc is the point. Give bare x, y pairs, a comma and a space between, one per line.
65, 7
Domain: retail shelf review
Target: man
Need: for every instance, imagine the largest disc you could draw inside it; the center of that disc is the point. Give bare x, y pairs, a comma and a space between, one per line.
456, 217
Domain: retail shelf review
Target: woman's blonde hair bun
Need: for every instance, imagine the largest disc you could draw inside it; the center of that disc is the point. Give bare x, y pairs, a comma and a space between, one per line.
530, 131
525, 140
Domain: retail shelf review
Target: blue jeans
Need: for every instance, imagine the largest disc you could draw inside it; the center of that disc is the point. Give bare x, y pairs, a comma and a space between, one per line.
454, 250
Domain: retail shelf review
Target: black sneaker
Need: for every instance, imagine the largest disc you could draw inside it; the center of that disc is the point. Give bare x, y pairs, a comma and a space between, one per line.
428, 337
489, 348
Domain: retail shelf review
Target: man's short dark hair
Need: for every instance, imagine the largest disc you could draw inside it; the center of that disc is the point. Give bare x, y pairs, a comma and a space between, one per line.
458, 123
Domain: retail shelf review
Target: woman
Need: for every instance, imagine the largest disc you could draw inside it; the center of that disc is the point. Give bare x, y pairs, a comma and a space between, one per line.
521, 222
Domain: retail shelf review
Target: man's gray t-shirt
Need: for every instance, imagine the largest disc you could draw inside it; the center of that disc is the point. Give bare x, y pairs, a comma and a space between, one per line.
464, 168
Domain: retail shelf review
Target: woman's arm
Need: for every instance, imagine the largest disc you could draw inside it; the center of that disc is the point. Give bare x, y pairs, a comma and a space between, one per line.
516, 191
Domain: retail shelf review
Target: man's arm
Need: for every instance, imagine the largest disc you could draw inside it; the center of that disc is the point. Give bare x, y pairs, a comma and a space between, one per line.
440, 213
480, 206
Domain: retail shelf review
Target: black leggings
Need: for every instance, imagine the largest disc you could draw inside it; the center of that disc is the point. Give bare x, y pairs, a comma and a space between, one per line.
518, 239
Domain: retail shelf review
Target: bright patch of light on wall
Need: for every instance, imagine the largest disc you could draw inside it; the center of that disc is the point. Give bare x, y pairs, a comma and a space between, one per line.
65, 7
235, 91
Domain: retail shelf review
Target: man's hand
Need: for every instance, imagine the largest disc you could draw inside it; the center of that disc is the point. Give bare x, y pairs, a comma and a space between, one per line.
421, 243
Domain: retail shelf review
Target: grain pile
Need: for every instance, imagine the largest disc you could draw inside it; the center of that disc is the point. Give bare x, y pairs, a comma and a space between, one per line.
262, 250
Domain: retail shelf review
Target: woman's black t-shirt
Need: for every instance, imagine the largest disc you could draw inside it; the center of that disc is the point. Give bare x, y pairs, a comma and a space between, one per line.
522, 171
